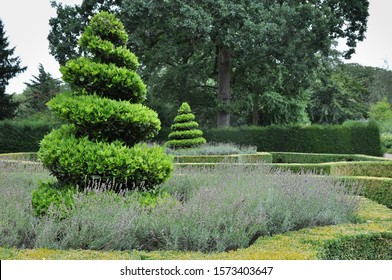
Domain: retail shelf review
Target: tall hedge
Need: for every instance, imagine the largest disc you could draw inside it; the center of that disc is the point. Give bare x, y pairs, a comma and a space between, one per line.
23, 135
358, 138
105, 115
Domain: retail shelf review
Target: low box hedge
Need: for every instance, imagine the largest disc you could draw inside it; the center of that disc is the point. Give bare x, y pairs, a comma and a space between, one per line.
292, 157
239, 158
363, 168
373, 246
374, 188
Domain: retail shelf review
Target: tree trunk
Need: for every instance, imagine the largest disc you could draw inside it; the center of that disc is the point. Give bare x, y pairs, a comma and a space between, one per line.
224, 94
255, 110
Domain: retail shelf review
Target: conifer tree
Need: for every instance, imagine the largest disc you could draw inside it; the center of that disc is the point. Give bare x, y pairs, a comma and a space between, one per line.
9, 68
184, 130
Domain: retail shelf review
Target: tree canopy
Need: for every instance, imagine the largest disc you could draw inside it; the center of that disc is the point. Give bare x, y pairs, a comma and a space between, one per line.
217, 52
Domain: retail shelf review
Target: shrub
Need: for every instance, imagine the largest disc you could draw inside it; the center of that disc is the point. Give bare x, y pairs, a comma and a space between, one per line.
101, 143
290, 157
184, 130
386, 141
47, 195
334, 139
359, 247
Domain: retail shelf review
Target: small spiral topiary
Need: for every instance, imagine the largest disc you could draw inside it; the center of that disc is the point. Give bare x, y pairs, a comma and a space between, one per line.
184, 130
107, 121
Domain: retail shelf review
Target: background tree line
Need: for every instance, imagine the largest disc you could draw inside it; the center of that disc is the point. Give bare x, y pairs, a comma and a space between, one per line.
234, 62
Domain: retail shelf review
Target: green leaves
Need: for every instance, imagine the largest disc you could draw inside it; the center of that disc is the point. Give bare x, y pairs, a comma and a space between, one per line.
78, 161
106, 119
107, 80
105, 125
184, 133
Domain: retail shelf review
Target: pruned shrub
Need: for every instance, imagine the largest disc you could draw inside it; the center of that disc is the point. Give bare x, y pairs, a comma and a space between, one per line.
107, 121
184, 130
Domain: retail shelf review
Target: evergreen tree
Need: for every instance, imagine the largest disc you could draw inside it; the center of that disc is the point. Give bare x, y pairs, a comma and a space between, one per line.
107, 119
184, 130
9, 68
41, 89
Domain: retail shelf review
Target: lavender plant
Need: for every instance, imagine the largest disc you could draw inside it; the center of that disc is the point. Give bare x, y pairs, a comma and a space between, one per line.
207, 210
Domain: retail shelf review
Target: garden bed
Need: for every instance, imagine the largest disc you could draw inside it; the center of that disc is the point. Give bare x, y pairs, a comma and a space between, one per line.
370, 238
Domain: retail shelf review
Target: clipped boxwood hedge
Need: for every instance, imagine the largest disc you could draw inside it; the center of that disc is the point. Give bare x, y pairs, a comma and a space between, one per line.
374, 188
373, 246
290, 157
335, 139
239, 158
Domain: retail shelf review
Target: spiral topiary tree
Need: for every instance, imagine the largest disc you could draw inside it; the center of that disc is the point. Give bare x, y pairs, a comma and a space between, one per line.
184, 130
107, 119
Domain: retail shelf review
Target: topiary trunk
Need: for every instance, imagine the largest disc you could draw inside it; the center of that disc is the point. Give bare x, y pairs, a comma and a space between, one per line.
107, 121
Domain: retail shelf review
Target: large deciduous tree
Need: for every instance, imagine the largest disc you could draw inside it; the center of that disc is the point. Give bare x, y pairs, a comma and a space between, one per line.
9, 68
219, 44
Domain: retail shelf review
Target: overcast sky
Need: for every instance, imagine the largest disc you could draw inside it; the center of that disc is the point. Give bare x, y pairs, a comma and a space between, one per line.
26, 23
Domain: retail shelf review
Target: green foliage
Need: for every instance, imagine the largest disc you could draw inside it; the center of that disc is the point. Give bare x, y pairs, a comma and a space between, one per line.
105, 119
359, 247
47, 195
100, 145
335, 139
9, 68
106, 80
39, 90
78, 160
381, 111
337, 96
184, 130
240, 158
386, 141
374, 188
289, 157
23, 135
272, 49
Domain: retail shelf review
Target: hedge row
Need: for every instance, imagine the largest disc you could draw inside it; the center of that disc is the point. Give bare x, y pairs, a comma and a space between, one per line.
23, 136
238, 158
289, 157
370, 246
376, 189
355, 138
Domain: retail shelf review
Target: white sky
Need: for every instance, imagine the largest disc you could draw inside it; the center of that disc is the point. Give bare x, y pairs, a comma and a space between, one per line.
26, 24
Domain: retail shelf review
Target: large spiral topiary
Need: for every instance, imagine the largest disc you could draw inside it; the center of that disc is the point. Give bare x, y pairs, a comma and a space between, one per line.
184, 130
107, 121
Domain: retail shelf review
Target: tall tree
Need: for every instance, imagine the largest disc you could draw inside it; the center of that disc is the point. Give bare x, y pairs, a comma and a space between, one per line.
9, 68
225, 34
69, 24
41, 89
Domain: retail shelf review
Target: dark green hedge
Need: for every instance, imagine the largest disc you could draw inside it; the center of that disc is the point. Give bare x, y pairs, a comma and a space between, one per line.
376, 246
354, 138
23, 135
